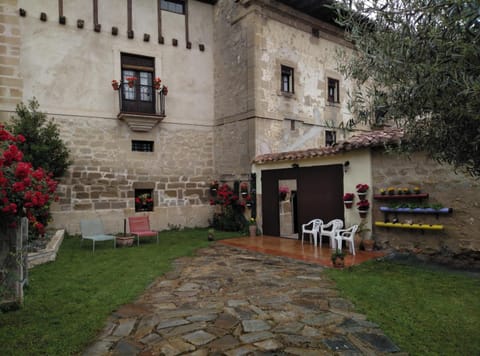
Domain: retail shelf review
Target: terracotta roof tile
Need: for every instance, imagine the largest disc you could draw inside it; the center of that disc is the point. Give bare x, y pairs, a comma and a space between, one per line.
358, 141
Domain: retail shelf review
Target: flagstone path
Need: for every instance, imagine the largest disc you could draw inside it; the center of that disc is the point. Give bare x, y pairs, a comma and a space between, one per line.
229, 301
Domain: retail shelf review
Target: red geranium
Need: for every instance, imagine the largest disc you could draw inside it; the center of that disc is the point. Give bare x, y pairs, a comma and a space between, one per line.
23, 191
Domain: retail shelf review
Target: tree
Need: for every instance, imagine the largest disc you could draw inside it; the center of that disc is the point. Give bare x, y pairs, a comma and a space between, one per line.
417, 65
43, 146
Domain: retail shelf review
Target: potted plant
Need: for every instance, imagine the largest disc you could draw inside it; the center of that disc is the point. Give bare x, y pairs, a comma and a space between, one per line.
358, 239
115, 85
363, 206
252, 227
368, 244
338, 258
416, 190
348, 200
244, 189
156, 83
382, 191
124, 239
131, 81
211, 234
248, 201
164, 90
144, 202
283, 191
391, 191
362, 190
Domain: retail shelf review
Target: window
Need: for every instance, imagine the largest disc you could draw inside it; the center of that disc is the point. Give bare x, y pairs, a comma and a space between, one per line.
330, 138
142, 146
177, 6
333, 91
143, 199
137, 89
287, 79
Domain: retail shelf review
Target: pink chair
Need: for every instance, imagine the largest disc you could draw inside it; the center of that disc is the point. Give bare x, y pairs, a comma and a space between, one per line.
140, 227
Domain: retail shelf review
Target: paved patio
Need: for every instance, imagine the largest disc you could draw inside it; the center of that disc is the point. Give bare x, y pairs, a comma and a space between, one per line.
293, 248
232, 301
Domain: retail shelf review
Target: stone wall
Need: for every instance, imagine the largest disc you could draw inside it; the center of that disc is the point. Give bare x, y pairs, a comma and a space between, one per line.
11, 83
105, 173
69, 70
459, 242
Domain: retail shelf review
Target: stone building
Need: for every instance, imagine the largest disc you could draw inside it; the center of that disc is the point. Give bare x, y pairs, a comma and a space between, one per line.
244, 78
247, 80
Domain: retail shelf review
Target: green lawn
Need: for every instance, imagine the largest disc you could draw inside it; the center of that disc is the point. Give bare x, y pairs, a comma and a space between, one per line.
425, 311
68, 301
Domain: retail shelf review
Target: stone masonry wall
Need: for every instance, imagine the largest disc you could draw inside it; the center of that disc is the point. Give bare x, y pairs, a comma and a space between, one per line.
11, 84
459, 242
106, 172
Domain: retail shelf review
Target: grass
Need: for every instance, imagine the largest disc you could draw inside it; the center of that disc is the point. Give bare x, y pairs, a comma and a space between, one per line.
425, 311
68, 301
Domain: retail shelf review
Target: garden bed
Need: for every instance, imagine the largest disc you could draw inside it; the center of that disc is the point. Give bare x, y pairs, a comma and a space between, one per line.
49, 253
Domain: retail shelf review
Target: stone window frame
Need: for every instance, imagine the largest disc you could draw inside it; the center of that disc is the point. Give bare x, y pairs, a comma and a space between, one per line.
330, 137
143, 146
333, 90
141, 188
279, 63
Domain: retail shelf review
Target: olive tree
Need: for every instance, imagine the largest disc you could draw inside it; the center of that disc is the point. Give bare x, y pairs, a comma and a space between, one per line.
417, 65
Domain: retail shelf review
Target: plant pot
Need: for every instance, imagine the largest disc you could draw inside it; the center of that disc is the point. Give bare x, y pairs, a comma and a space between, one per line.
368, 245
125, 241
115, 86
252, 229
357, 240
348, 203
338, 262
362, 195
283, 196
363, 213
244, 194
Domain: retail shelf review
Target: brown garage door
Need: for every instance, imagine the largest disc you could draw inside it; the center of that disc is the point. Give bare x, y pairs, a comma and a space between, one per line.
319, 195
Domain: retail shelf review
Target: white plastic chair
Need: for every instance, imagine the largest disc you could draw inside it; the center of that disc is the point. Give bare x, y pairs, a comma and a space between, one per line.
330, 230
313, 230
346, 235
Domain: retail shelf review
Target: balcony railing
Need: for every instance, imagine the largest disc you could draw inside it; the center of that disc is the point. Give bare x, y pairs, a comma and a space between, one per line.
141, 106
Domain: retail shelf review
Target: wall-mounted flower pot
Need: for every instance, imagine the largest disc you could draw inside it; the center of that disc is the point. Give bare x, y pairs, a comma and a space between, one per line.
362, 195
244, 194
348, 203
363, 213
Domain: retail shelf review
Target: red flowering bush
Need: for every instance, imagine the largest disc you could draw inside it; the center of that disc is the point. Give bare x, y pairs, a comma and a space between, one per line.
24, 191
231, 217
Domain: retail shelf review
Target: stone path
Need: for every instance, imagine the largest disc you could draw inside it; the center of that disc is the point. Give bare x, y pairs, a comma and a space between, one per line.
229, 301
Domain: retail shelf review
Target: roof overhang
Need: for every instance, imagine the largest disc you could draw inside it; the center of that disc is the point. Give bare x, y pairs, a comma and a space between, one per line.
377, 138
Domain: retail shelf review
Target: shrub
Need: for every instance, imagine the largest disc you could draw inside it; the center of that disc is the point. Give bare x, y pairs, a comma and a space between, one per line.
24, 191
231, 217
42, 146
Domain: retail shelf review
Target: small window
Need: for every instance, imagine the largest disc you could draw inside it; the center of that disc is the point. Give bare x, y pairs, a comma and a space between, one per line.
177, 6
142, 146
333, 91
287, 79
330, 138
143, 200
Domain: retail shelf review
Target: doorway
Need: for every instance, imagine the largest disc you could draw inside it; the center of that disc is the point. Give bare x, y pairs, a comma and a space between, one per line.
317, 191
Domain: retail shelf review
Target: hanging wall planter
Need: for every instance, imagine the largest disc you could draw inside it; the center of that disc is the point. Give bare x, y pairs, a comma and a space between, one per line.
348, 200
